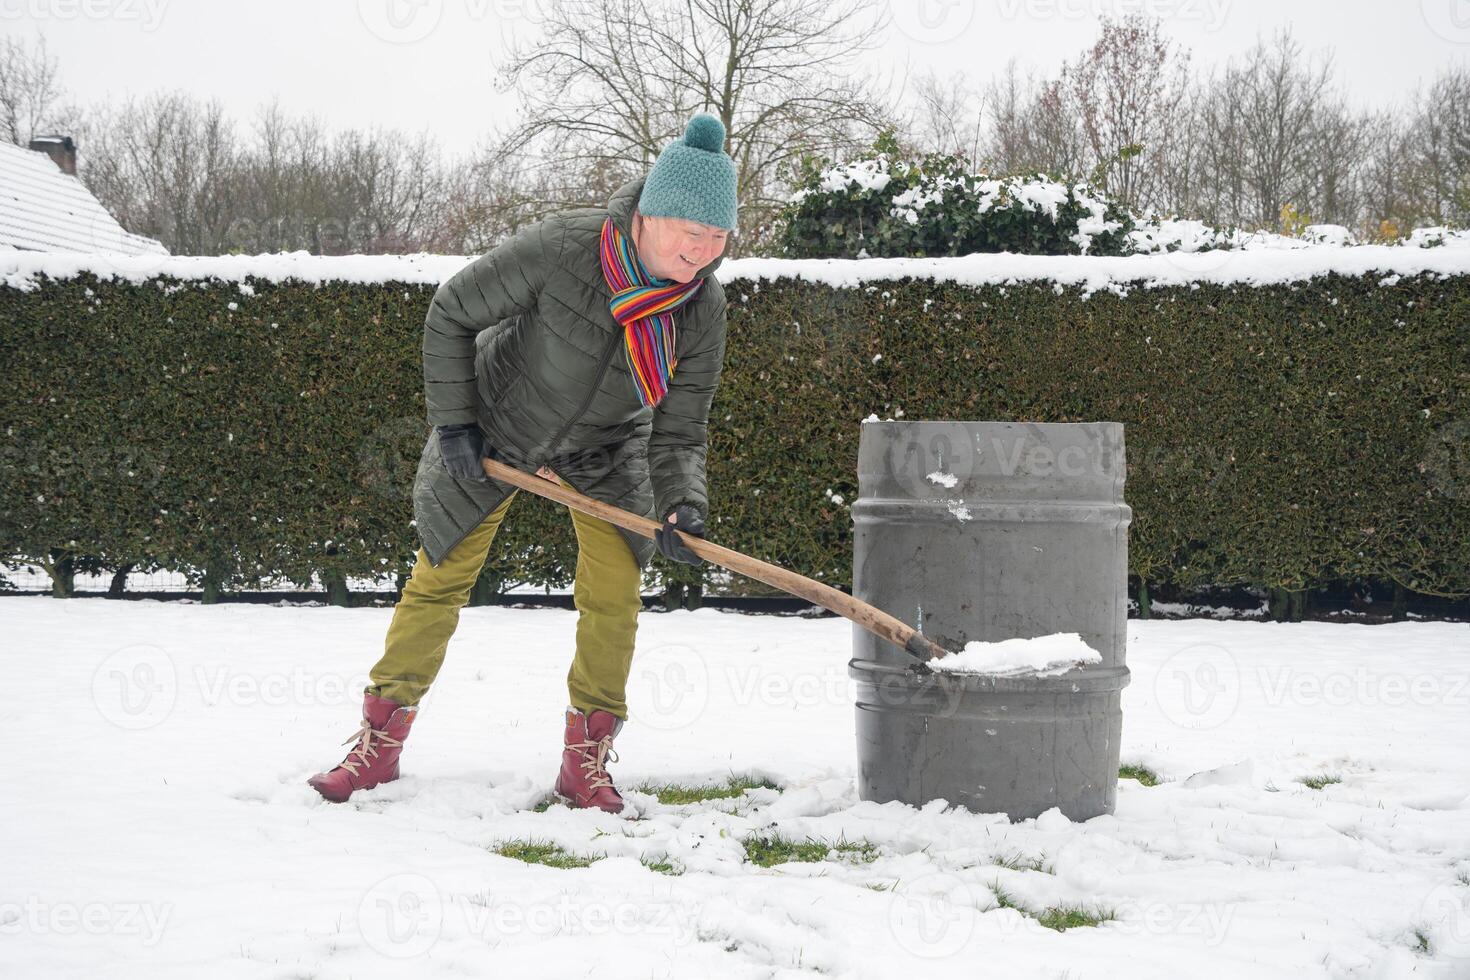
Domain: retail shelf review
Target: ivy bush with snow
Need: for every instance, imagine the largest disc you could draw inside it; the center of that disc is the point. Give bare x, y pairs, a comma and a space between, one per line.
886, 206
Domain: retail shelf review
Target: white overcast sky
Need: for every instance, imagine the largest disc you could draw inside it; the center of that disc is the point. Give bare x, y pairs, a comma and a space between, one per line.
430, 64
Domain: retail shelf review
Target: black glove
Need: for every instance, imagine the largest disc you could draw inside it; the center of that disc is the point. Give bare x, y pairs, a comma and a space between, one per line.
686, 519
462, 447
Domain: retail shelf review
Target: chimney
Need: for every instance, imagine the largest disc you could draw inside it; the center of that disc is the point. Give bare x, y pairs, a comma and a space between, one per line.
61, 149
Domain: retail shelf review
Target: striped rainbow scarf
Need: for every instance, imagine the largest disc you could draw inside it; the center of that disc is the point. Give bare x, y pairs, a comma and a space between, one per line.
645, 307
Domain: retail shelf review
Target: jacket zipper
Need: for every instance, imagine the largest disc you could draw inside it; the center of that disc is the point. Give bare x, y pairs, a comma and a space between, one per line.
592, 391
607, 357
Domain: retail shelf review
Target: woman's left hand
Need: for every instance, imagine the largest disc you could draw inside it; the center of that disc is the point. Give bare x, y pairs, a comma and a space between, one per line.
670, 545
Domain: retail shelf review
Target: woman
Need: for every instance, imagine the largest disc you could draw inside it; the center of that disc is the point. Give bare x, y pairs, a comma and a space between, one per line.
587, 348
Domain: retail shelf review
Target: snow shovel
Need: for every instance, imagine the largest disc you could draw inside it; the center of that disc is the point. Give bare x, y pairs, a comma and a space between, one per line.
870, 618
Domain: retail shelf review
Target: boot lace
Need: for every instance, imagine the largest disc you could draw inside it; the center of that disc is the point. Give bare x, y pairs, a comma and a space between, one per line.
369, 739
595, 762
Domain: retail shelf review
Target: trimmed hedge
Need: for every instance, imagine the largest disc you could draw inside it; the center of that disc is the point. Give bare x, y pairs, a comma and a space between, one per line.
1286, 437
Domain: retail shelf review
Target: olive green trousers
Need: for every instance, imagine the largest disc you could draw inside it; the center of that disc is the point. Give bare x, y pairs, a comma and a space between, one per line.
606, 592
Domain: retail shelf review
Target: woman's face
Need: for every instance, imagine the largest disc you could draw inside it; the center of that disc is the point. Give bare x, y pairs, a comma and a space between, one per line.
673, 248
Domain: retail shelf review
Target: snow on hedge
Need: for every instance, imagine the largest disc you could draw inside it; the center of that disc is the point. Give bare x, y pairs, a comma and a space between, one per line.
1256, 260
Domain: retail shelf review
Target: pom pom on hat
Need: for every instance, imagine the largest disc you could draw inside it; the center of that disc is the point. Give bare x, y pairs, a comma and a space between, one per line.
705, 132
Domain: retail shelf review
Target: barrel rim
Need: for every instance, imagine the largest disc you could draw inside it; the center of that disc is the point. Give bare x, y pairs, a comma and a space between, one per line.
1088, 680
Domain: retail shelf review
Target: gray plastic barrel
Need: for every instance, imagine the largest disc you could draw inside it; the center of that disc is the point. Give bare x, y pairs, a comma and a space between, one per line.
992, 531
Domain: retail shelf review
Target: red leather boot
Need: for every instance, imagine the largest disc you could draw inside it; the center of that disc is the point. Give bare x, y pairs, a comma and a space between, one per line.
584, 781
380, 739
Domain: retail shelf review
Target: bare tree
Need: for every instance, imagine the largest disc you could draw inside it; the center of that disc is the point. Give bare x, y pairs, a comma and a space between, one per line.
173, 167
1387, 208
950, 116
1031, 127
163, 166
1180, 162
388, 190
1127, 91
1437, 148
1269, 122
1335, 174
31, 93
493, 193
611, 82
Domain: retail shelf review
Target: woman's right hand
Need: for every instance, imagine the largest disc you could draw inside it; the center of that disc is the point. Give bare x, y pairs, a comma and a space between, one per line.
462, 447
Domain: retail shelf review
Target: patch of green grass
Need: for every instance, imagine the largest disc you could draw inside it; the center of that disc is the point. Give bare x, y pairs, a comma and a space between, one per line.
544, 805
1067, 917
859, 850
1145, 776
1421, 944
769, 850
1318, 782
542, 852
1057, 917
773, 849
663, 866
1004, 900
1019, 862
679, 794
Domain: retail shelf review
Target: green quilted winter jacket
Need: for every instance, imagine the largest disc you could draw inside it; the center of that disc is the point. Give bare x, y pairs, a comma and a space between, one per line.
521, 341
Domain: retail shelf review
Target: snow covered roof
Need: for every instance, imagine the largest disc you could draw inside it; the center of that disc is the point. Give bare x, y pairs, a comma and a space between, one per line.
1258, 267
45, 210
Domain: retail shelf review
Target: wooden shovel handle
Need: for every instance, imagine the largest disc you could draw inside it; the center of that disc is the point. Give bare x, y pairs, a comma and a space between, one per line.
870, 618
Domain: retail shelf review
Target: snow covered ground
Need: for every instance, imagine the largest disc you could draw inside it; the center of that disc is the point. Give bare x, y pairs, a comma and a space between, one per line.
157, 823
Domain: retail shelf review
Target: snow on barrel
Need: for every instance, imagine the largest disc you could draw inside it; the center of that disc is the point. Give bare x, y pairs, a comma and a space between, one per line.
1007, 541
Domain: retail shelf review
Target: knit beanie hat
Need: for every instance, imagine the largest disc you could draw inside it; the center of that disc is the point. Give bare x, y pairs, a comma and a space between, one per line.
693, 178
